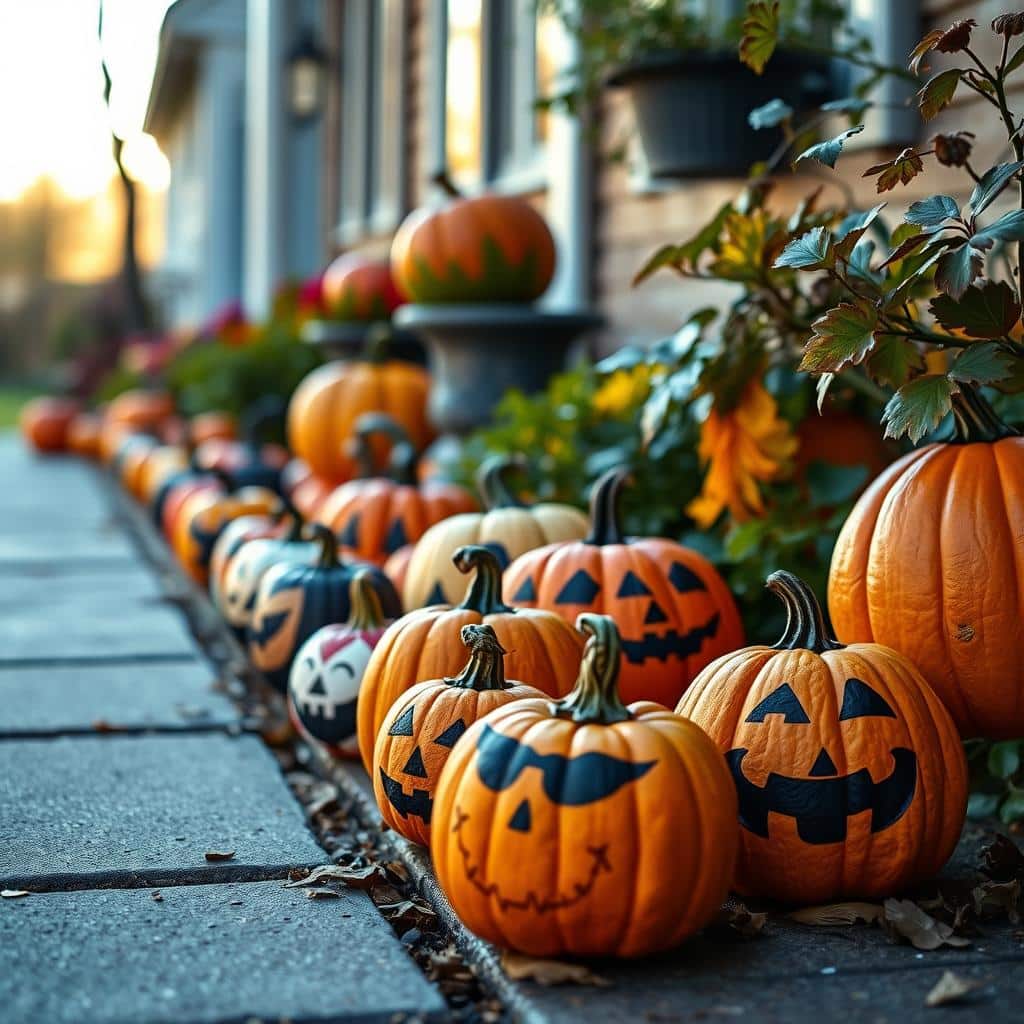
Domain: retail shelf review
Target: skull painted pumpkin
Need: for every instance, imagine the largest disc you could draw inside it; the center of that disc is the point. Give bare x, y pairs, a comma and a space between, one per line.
424, 724
424, 644
376, 515
673, 610
324, 681
583, 827
850, 774
294, 601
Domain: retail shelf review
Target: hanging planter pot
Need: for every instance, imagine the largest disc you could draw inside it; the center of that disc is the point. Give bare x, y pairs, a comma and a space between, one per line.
691, 107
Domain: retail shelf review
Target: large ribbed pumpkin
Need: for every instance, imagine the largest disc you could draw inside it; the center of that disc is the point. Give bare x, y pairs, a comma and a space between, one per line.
583, 827
674, 611
329, 402
931, 562
46, 422
508, 526
492, 248
852, 780
424, 644
377, 514
360, 290
426, 722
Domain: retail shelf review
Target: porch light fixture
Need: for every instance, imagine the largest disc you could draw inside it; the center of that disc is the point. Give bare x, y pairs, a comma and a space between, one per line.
307, 64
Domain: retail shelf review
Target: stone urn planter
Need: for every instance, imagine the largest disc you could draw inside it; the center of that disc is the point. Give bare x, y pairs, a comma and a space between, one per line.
338, 339
691, 108
478, 351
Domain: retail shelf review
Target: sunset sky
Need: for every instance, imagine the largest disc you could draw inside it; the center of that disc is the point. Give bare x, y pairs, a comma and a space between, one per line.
52, 117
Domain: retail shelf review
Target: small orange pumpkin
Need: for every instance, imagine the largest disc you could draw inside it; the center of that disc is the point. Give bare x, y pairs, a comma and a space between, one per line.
358, 289
376, 515
231, 540
46, 422
674, 611
84, 435
582, 827
930, 560
424, 724
424, 645
852, 780
491, 248
508, 526
212, 426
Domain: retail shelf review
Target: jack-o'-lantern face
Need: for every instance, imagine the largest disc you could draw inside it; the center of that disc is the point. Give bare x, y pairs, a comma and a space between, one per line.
531, 795
275, 623
787, 758
324, 685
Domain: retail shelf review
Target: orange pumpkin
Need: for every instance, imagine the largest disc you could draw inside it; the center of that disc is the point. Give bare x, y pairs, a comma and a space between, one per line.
358, 289
851, 777
423, 645
397, 565
376, 515
674, 611
929, 563
161, 463
84, 435
204, 515
46, 422
424, 724
492, 248
508, 526
328, 403
212, 426
134, 411
231, 540
583, 827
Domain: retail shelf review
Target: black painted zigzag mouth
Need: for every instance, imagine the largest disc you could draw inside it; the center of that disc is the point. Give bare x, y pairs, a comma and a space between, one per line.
331, 729
821, 806
670, 644
420, 804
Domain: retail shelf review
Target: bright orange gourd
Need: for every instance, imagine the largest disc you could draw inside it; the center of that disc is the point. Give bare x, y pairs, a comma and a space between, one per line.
46, 422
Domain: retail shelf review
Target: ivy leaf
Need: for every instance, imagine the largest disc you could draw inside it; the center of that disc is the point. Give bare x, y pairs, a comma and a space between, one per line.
988, 311
1008, 228
956, 270
938, 93
984, 363
772, 113
827, 152
931, 212
808, 251
902, 169
842, 337
893, 359
760, 34
919, 406
992, 183
666, 256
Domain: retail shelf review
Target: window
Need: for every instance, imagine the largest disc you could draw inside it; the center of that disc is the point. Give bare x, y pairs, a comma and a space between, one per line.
499, 56
373, 88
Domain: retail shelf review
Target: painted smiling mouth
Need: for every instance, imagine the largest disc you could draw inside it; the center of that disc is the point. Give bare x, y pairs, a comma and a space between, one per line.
420, 803
531, 901
822, 806
670, 644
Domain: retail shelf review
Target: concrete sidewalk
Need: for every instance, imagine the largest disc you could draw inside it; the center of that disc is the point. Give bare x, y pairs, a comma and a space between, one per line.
122, 771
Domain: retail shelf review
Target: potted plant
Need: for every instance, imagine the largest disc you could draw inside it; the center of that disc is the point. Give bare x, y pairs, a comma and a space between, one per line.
690, 101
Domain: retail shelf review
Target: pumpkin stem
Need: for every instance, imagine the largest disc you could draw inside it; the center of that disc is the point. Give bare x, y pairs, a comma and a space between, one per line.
443, 181
484, 593
605, 500
402, 465
975, 419
805, 623
320, 534
366, 613
485, 669
286, 509
492, 482
595, 697
377, 346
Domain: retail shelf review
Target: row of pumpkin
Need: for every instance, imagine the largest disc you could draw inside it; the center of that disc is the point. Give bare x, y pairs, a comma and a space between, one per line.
843, 772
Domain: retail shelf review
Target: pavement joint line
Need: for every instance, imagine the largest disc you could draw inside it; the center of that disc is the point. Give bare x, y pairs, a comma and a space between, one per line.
234, 728
92, 661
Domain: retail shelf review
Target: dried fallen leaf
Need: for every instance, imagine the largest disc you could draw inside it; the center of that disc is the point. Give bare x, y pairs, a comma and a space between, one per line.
838, 914
904, 919
993, 899
520, 967
357, 878
950, 988
214, 855
1002, 860
322, 894
156, 896
14, 894
735, 918
102, 725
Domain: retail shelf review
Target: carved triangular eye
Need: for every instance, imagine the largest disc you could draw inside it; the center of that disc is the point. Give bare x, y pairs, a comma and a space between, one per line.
349, 537
396, 537
520, 820
581, 588
782, 701
414, 766
633, 586
655, 614
436, 596
684, 579
403, 724
526, 592
451, 735
860, 700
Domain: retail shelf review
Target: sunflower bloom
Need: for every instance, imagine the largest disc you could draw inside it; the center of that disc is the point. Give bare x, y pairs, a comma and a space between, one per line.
742, 449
